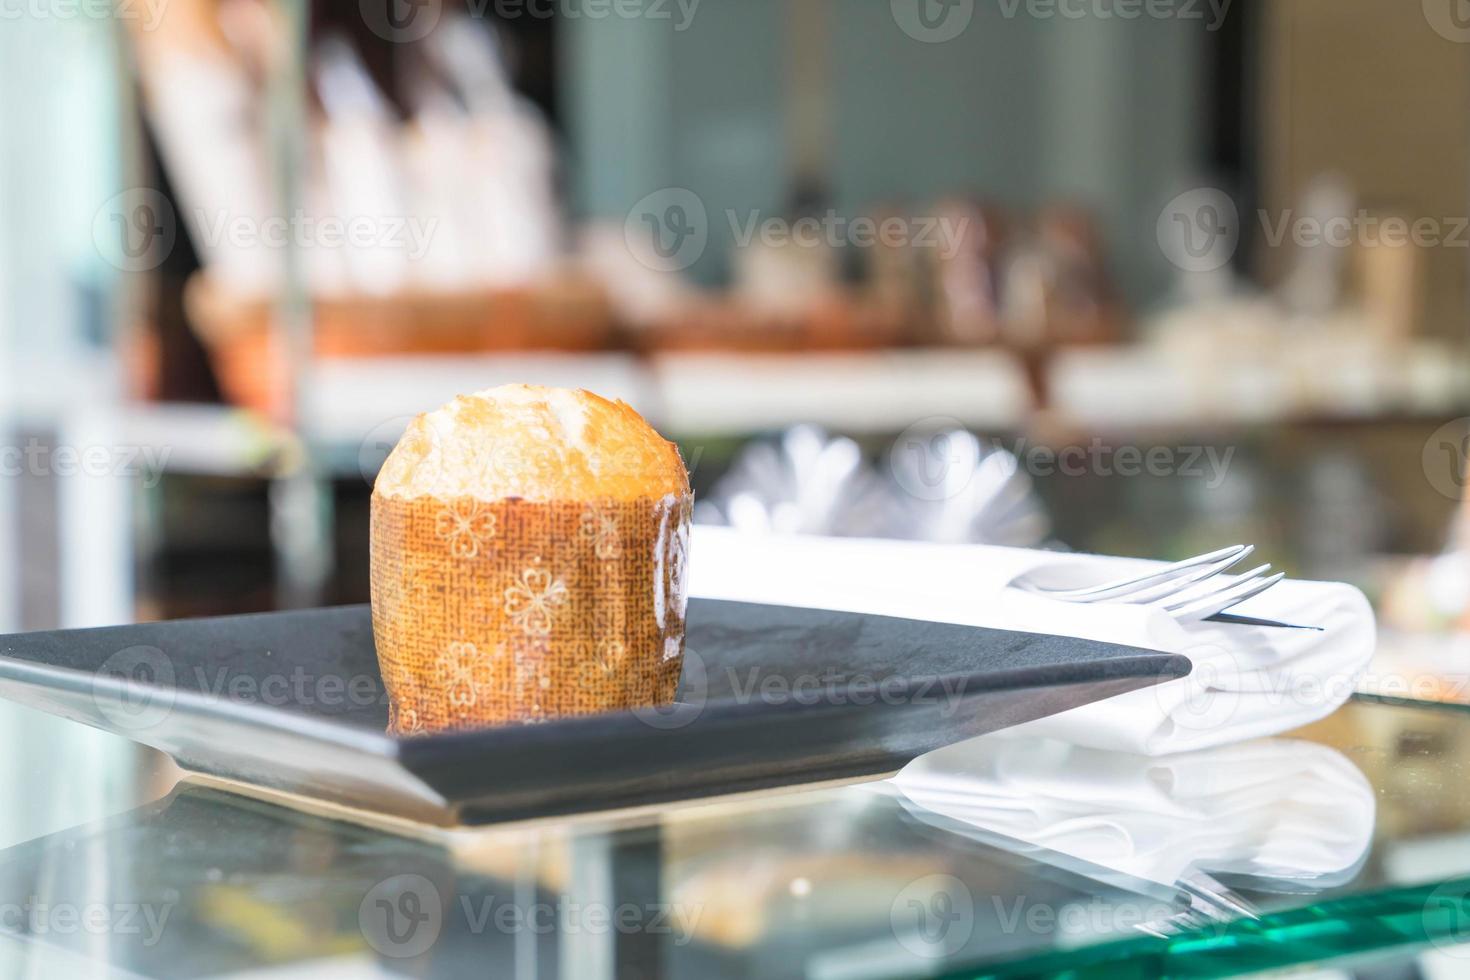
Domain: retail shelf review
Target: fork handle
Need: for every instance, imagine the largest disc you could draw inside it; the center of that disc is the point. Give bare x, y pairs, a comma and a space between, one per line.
1252, 621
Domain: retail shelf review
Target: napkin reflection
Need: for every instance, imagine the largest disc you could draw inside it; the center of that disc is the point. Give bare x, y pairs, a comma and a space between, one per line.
1286, 814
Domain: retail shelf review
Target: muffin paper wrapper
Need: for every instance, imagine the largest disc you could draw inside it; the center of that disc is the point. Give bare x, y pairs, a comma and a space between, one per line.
496, 612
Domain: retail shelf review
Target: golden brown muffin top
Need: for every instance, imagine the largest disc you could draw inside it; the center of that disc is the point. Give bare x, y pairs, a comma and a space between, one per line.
535, 443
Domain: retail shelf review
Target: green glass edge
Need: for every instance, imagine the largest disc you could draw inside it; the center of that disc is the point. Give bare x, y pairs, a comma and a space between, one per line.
1437, 914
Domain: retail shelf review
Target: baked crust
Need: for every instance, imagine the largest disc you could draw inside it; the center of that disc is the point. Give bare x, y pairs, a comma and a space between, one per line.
534, 443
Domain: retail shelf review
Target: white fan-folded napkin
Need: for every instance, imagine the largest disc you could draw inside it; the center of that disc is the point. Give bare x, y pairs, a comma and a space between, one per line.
1282, 811
1247, 681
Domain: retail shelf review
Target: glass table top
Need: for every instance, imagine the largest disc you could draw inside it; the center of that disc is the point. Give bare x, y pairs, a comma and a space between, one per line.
1347, 838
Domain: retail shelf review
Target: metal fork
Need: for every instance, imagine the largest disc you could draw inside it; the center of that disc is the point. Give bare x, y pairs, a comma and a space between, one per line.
1188, 590
1211, 906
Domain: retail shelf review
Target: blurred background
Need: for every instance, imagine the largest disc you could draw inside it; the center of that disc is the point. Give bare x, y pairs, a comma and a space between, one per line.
1103, 275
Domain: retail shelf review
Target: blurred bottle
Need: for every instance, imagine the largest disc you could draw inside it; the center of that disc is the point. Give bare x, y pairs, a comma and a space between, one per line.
892, 275
1081, 303
789, 270
1057, 289
1389, 274
201, 70
363, 165
510, 219
1314, 281
967, 288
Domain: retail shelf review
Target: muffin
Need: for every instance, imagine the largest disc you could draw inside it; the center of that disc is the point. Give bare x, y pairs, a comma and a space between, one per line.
528, 561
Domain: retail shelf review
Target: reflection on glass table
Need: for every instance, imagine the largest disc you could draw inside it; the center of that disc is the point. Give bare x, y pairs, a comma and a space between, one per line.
1270, 814
1348, 838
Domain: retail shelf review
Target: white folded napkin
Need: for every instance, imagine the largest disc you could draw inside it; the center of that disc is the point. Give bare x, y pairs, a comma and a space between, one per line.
1278, 810
1247, 681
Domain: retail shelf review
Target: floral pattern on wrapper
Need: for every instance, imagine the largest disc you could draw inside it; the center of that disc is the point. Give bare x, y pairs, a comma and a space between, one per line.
533, 599
467, 525
567, 608
601, 528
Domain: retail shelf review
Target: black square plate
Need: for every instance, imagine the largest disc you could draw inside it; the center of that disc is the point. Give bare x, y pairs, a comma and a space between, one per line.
293, 702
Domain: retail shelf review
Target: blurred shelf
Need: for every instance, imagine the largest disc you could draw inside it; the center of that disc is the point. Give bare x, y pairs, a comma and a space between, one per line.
204, 440
1148, 387
358, 407
869, 392
1419, 665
